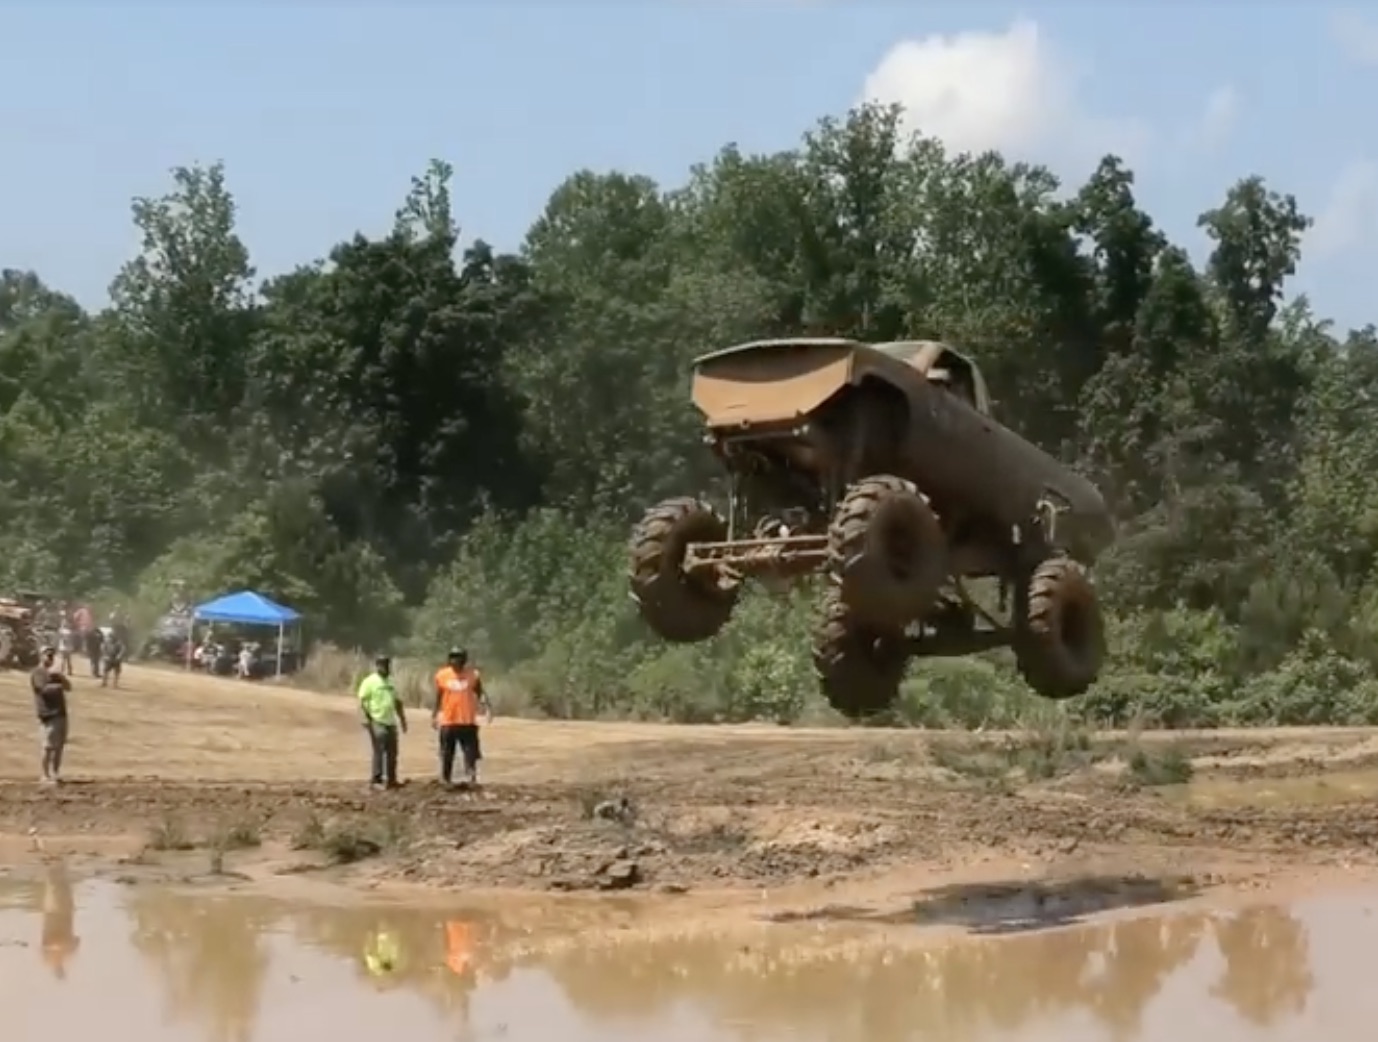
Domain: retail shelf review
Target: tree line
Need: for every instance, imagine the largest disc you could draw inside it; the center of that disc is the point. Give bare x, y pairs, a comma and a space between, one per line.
418, 440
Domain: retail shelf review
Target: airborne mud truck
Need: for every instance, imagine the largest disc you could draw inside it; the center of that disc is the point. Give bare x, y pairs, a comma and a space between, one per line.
881, 467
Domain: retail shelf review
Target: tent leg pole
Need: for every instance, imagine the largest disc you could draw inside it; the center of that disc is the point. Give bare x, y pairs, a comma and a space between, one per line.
280, 632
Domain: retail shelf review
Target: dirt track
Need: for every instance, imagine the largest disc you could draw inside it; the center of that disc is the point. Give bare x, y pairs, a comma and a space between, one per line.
223, 763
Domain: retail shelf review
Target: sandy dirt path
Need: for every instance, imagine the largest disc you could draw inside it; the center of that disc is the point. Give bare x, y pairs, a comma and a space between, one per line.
273, 776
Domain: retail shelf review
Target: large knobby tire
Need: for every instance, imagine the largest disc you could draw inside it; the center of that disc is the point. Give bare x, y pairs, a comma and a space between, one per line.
1060, 638
679, 607
859, 668
887, 552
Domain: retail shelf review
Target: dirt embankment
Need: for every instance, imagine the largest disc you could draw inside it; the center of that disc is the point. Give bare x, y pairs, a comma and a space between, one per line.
176, 769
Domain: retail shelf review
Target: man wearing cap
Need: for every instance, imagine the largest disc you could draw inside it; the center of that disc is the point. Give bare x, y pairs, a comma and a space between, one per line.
459, 696
383, 713
50, 689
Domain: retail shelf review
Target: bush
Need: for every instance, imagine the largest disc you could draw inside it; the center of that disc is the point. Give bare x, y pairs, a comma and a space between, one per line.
546, 606
542, 606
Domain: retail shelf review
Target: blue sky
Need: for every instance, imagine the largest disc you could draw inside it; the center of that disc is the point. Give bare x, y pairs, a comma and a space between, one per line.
322, 114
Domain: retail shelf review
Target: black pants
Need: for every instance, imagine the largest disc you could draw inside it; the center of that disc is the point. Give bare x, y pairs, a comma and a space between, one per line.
383, 738
463, 737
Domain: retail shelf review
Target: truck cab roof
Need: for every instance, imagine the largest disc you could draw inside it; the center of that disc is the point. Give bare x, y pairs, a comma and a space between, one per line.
943, 364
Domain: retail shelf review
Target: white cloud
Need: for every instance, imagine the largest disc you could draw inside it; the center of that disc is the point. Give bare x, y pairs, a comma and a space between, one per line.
1350, 213
998, 90
1356, 34
1218, 118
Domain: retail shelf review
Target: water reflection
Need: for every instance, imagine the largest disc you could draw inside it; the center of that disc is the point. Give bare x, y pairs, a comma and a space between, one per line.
1267, 966
58, 939
210, 953
218, 958
954, 991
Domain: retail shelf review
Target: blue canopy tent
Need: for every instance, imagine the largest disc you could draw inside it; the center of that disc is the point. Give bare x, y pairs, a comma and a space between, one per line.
249, 609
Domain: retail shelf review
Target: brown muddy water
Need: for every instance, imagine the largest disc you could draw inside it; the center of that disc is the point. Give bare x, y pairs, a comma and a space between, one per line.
155, 964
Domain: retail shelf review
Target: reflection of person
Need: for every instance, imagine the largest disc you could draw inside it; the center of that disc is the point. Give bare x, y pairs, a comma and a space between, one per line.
459, 696
383, 714
459, 946
59, 939
383, 956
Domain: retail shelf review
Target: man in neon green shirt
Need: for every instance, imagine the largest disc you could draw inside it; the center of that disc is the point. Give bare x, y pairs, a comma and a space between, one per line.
383, 714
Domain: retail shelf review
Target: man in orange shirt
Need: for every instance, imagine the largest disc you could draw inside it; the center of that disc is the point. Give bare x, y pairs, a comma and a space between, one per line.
459, 697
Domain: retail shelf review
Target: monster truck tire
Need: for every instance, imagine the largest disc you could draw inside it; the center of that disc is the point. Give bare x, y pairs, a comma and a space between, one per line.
679, 607
887, 552
1060, 635
859, 669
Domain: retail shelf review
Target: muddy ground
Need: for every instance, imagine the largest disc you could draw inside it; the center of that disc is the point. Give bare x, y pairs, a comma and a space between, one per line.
195, 774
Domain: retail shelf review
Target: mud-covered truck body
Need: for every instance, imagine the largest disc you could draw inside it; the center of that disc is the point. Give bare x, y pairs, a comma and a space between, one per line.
881, 466
19, 641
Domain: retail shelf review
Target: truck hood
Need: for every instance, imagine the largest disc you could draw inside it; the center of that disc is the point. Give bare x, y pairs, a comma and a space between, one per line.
772, 381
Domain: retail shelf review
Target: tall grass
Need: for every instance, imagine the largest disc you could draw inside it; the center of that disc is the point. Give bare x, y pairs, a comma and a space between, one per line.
331, 669
334, 670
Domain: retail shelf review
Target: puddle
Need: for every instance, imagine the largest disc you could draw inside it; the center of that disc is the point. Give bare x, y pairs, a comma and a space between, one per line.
142, 964
998, 908
1334, 787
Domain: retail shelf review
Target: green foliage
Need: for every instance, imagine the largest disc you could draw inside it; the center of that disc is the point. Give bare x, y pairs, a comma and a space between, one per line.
419, 441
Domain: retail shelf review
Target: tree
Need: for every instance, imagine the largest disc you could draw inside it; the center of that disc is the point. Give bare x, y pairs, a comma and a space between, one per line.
417, 434
183, 306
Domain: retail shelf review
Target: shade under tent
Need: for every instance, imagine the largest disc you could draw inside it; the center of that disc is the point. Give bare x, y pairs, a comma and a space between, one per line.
245, 608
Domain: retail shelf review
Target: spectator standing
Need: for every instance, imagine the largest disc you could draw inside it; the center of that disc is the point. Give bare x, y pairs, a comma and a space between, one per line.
383, 715
245, 669
112, 654
66, 646
94, 640
459, 697
50, 690
117, 627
